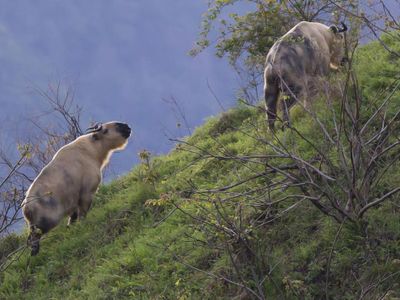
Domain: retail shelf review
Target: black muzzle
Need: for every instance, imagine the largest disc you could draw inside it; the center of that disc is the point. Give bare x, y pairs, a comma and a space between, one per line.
124, 129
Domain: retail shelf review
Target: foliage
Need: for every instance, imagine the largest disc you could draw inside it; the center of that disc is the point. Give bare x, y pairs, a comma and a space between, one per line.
245, 37
251, 34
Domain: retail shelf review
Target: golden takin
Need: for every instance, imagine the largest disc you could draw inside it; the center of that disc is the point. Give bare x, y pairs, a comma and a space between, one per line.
309, 50
65, 186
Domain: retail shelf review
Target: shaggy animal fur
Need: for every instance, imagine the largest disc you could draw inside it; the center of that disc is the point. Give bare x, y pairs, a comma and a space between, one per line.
66, 185
308, 51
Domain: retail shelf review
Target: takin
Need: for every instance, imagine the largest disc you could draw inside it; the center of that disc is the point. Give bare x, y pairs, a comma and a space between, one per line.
65, 186
308, 51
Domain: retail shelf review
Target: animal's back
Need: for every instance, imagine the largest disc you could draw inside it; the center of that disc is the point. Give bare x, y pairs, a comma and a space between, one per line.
51, 194
302, 50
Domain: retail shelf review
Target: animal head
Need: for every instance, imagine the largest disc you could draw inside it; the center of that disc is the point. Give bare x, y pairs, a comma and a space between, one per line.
113, 135
337, 45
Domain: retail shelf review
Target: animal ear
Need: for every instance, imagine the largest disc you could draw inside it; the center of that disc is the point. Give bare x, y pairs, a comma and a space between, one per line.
334, 29
94, 128
344, 27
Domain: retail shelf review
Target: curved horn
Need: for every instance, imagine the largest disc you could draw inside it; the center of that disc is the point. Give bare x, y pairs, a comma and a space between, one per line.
344, 28
334, 29
94, 128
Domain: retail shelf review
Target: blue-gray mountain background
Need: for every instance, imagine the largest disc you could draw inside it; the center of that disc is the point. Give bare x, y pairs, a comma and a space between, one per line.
122, 58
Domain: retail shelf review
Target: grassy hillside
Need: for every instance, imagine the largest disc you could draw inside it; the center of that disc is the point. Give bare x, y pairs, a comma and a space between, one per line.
210, 221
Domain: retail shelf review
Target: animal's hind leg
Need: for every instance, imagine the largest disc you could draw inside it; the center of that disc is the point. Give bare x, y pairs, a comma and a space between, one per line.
34, 239
271, 99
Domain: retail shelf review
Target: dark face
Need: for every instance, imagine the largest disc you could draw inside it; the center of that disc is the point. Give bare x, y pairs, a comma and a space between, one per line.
113, 135
338, 44
124, 129
337, 51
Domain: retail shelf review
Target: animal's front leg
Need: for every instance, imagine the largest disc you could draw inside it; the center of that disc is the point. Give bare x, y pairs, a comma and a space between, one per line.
72, 219
84, 205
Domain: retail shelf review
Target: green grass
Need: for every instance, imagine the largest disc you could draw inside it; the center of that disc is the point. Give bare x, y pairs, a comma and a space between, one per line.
126, 249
